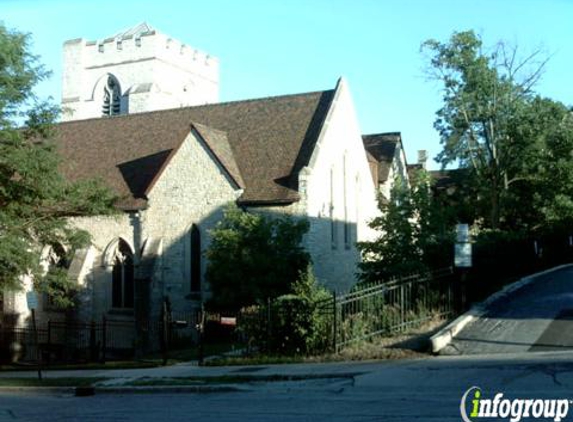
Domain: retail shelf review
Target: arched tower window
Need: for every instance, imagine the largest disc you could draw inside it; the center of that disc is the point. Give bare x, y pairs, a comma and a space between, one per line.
195, 258
111, 97
122, 277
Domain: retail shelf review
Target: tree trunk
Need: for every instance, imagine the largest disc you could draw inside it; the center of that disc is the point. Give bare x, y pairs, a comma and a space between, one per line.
495, 213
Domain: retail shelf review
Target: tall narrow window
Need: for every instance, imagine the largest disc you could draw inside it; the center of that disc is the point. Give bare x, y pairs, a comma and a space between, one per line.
195, 259
111, 97
357, 202
333, 227
122, 293
345, 194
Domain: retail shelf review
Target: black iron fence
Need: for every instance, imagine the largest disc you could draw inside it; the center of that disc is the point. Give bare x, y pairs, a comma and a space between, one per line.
293, 325
97, 341
65, 341
393, 306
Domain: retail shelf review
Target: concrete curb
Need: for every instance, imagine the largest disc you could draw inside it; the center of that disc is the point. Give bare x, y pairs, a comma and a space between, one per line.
166, 389
38, 390
170, 389
443, 337
230, 387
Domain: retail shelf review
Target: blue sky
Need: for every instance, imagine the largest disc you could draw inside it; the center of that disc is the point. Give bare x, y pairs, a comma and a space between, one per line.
271, 47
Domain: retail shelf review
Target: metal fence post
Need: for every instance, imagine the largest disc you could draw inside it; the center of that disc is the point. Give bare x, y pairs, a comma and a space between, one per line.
201, 334
334, 323
93, 352
49, 343
36, 344
164, 333
103, 338
402, 304
269, 328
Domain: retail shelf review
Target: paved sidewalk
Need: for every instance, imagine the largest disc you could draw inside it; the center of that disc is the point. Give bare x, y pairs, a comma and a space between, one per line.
191, 369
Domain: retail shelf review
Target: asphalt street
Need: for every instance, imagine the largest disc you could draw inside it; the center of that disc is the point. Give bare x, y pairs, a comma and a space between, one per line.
425, 389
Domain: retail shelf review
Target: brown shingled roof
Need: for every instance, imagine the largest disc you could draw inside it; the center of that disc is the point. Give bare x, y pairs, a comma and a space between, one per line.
382, 146
452, 179
218, 143
261, 143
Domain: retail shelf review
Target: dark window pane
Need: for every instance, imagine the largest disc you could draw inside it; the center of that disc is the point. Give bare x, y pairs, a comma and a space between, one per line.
117, 285
128, 282
195, 259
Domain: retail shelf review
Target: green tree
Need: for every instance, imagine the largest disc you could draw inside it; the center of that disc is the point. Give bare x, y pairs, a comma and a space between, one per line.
394, 251
253, 257
433, 222
485, 95
412, 229
35, 200
549, 187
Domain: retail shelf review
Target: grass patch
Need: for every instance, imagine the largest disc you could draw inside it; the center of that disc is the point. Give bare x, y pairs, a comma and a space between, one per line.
123, 364
49, 382
189, 354
254, 360
412, 344
226, 379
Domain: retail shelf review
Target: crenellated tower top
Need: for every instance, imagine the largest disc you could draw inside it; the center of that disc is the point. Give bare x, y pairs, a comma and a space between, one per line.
138, 69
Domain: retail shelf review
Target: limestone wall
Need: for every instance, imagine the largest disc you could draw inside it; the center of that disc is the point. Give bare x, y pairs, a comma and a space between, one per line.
338, 196
194, 189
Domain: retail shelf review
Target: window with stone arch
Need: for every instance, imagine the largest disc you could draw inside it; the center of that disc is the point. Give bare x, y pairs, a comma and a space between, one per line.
122, 291
195, 241
111, 97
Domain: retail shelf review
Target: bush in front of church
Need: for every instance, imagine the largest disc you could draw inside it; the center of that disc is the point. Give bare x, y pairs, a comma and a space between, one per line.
254, 257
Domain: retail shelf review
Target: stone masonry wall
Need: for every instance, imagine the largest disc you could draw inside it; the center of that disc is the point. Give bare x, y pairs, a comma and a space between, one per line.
192, 189
338, 197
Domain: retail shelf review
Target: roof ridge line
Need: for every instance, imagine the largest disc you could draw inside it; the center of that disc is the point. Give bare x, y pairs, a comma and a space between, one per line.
382, 133
224, 103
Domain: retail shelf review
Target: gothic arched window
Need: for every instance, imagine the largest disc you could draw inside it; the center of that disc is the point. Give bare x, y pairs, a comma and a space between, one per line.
195, 258
111, 97
122, 293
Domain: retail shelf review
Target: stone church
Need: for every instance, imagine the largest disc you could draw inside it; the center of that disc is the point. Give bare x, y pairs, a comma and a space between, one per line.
141, 113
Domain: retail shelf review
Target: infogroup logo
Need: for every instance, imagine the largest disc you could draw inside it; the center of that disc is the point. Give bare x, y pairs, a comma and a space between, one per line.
474, 406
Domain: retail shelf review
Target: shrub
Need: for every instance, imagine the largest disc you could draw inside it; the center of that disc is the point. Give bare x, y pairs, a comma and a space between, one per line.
291, 324
253, 257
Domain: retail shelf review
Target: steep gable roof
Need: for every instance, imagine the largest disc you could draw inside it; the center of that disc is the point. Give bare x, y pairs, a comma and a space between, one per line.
382, 147
261, 143
218, 143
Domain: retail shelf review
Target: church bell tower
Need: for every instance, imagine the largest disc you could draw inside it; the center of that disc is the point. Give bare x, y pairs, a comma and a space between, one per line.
136, 70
